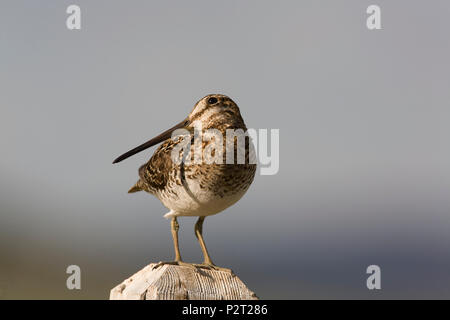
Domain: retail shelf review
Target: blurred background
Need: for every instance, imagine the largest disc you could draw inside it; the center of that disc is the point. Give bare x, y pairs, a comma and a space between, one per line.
364, 154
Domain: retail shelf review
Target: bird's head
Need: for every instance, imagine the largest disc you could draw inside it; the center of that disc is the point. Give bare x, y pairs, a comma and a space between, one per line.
213, 111
216, 111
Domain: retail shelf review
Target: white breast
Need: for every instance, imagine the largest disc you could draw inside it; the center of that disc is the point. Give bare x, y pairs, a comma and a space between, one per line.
191, 200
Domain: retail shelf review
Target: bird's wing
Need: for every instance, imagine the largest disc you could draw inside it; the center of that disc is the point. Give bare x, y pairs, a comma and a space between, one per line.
155, 173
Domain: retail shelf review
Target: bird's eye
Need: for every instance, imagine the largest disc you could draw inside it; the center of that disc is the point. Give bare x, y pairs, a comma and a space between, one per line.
212, 100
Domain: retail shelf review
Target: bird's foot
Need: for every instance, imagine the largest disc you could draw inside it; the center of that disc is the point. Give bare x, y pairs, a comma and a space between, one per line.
194, 266
174, 263
212, 266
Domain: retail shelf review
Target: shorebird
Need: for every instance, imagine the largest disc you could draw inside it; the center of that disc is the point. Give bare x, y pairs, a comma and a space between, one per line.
197, 189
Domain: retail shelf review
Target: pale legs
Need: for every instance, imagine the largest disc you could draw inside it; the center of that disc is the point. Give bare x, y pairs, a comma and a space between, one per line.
198, 233
174, 226
207, 262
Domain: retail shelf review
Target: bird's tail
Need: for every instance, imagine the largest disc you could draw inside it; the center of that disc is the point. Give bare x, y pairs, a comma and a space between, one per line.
139, 186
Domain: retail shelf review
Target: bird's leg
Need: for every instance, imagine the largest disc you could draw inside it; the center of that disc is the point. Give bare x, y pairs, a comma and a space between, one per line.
199, 234
174, 228
207, 262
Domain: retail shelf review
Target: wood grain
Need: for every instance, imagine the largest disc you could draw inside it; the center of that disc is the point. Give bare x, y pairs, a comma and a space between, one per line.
171, 282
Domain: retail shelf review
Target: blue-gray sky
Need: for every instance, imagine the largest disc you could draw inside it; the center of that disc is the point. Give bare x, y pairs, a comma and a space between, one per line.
364, 159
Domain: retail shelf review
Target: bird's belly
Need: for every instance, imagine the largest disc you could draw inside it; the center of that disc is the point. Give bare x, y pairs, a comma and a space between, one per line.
191, 199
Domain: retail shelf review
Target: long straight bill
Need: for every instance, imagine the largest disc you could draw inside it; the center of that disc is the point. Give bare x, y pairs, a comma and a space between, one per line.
160, 138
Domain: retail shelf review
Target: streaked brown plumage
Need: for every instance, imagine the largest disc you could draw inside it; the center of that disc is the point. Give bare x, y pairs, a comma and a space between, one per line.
198, 189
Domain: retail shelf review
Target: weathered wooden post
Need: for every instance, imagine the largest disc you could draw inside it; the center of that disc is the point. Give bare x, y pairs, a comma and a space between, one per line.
172, 282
